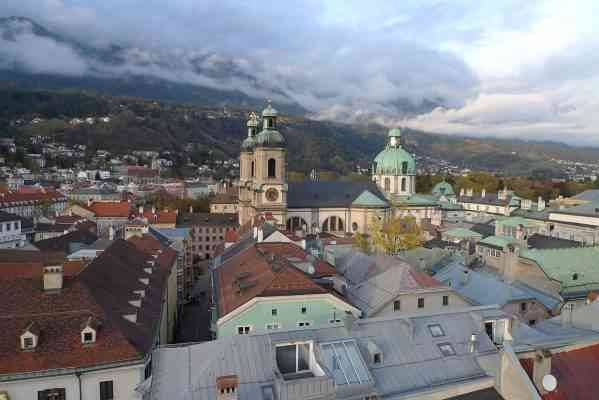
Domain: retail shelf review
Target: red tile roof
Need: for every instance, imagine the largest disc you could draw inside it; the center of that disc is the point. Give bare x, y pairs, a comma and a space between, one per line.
141, 171
576, 373
110, 209
13, 197
159, 217
260, 271
99, 292
291, 250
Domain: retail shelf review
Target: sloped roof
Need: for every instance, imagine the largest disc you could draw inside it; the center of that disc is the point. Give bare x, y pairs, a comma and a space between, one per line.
588, 195
514, 222
462, 233
369, 200
576, 373
575, 268
310, 194
498, 241
260, 270
486, 288
65, 243
107, 209
411, 363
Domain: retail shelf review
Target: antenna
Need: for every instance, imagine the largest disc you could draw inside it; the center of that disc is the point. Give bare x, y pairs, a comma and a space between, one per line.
549, 383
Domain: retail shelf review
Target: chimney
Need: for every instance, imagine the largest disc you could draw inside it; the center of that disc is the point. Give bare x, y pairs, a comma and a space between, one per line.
111, 233
89, 202
483, 194
141, 210
472, 343
540, 204
260, 235
541, 368
154, 210
566, 315
462, 192
191, 209
227, 387
349, 321
52, 278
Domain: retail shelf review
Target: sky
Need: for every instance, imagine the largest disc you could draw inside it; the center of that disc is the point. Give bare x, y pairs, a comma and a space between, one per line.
525, 69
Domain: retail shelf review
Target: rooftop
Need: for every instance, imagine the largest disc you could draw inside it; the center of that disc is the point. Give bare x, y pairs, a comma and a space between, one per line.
332, 194
410, 359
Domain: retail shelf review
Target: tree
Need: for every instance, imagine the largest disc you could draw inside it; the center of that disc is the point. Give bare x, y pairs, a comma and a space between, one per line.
362, 243
396, 234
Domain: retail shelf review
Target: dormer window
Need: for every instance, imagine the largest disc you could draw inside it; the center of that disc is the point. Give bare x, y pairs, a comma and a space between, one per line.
436, 330
28, 342
377, 358
30, 337
88, 336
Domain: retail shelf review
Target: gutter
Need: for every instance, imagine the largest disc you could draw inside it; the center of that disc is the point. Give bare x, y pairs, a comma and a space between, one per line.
78, 375
68, 371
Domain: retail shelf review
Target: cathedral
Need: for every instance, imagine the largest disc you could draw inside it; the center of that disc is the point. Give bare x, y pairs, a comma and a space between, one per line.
338, 207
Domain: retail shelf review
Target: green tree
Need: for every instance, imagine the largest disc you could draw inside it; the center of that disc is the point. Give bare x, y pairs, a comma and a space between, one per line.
362, 243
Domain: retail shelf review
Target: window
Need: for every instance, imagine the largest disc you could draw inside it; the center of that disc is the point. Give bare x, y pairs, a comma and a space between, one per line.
273, 312
28, 342
445, 300
403, 184
387, 185
106, 390
88, 337
421, 302
532, 322
436, 330
272, 168
253, 172
377, 358
244, 330
397, 305
523, 307
404, 167
304, 309
293, 358
354, 226
8, 227
446, 349
345, 362
52, 394
303, 324
273, 326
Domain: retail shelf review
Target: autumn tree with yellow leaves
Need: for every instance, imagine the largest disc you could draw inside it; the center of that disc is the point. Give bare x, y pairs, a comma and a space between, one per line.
395, 235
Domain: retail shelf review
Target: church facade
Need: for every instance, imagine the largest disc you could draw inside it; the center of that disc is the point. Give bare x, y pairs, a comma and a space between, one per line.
337, 207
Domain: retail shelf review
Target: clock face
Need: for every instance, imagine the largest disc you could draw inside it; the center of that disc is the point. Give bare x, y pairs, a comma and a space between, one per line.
272, 194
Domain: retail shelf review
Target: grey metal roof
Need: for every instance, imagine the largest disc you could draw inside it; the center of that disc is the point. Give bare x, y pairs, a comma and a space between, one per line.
588, 195
485, 288
310, 194
411, 358
588, 210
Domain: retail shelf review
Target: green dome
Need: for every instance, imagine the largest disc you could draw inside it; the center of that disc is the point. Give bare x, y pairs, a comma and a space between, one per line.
269, 111
248, 144
443, 188
391, 161
269, 138
395, 132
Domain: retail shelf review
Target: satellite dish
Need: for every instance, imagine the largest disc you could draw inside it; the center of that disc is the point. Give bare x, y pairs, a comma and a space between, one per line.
549, 383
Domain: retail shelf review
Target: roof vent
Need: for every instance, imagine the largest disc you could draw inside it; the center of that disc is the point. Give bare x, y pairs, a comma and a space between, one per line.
131, 317
227, 387
145, 281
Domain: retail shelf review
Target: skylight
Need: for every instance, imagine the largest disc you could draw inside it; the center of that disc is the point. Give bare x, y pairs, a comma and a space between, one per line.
345, 363
436, 330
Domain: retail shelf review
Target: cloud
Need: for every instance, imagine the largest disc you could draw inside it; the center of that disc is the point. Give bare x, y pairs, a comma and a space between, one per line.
510, 69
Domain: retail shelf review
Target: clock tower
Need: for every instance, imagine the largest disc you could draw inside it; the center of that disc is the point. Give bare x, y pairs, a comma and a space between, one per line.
270, 181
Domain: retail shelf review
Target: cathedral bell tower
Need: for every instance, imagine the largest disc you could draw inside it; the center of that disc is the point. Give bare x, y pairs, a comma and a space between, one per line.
247, 171
269, 178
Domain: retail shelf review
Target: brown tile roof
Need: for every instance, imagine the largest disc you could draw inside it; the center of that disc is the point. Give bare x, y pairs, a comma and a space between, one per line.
159, 217
31, 256
14, 197
291, 250
141, 171
63, 243
108, 209
259, 271
99, 292
576, 373
58, 318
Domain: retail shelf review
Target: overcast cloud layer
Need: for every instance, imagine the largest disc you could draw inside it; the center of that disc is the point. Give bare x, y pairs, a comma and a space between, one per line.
519, 69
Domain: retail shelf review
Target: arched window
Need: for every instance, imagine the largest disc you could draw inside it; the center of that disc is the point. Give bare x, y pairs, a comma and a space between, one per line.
296, 223
272, 168
333, 224
253, 170
387, 185
403, 184
354, 226
404, 167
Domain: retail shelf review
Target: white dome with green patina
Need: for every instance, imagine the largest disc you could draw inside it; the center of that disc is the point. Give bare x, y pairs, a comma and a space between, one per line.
269, 138
248, 144
443, 189
394, 160
270, 111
